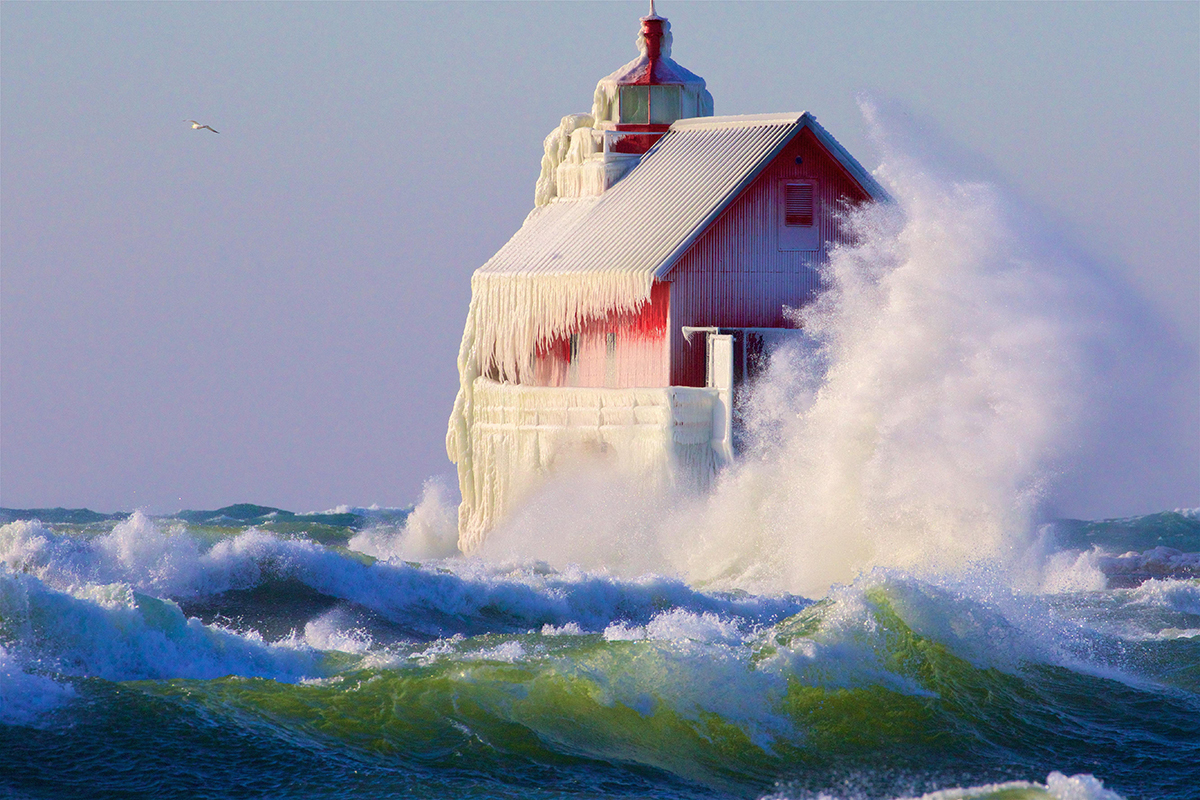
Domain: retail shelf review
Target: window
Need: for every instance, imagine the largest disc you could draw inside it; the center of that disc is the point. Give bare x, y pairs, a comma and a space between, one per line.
635, 104
573, 355
665, 104
660, 105
799, 220
611, 342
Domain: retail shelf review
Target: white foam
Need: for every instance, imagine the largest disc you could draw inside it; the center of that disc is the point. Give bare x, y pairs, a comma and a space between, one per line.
679, 625
1173, 595
133, 636
1167, 635
137, 551
373, 510
327, 633
510, 652
430, 531
1073, 571
1057, 787
1159, 562
442, 648
106, 571
1078, 787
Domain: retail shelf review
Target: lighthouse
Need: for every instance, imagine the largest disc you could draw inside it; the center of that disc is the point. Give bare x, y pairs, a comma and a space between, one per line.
616, 325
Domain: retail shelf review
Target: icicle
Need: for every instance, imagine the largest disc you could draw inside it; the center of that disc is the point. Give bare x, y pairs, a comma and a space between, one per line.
510, 316
515, 313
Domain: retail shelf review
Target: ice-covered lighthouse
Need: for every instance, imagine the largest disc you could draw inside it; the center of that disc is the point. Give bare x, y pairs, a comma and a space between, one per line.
663, 248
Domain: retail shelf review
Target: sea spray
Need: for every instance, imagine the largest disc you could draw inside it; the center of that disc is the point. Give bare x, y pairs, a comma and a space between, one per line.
953, 353
947, 370
430, 531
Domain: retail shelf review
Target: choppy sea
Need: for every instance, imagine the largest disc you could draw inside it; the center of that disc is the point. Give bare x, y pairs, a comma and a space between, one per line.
253, 652
874, 602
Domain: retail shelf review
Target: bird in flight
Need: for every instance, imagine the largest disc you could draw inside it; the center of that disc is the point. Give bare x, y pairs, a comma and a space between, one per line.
196, 126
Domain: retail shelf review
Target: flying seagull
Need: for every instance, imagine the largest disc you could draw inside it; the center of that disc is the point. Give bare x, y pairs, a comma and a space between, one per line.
196, 126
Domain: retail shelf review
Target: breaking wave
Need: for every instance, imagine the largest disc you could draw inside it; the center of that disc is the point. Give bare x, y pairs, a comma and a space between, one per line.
960, 364
522, 665
870, 605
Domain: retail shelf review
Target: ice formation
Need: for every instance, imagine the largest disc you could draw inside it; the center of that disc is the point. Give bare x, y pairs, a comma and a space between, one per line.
517, 308
517, 434
697, 100
510, 316
578, 161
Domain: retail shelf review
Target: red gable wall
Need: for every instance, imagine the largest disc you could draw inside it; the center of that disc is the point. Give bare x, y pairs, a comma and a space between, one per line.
735, 275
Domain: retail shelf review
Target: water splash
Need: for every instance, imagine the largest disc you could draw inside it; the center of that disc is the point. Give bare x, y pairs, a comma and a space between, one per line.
430, 531
963, 364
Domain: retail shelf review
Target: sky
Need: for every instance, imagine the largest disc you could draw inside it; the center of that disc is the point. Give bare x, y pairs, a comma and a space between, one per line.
272, 314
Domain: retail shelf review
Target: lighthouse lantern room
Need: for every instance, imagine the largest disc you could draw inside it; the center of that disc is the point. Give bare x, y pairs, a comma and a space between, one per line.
643, 98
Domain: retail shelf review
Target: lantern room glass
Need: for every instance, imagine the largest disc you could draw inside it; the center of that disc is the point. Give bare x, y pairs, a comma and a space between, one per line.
665, 104
635, 104
658, 104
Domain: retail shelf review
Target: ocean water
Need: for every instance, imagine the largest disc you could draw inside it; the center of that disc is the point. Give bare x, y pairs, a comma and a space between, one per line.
878, 600
146, 657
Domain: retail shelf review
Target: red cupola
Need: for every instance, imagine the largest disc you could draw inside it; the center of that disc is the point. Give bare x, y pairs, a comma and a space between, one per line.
645, 96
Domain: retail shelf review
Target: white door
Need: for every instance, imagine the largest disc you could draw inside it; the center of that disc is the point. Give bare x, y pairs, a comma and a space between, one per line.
720, 377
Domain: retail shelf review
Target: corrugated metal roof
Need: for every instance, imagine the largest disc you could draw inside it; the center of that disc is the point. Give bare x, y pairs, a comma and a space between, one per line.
645, 222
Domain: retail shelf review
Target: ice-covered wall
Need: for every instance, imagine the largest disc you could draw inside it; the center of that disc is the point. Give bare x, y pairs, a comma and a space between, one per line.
618, 351
511, 316
601, 357
519, 434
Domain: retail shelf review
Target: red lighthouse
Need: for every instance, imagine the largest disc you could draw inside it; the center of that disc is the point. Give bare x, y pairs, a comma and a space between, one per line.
657, 266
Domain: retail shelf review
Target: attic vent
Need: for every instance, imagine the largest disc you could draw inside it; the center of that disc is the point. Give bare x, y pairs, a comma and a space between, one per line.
799, 225
798, 204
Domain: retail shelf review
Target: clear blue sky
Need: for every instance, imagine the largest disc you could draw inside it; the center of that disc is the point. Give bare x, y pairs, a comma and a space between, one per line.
272, 314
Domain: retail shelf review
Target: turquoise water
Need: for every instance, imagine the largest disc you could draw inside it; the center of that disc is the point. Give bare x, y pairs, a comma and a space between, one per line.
250, 653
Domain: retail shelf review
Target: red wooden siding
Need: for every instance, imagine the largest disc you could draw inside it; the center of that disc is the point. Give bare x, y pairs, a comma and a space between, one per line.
735, 275
619, 351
